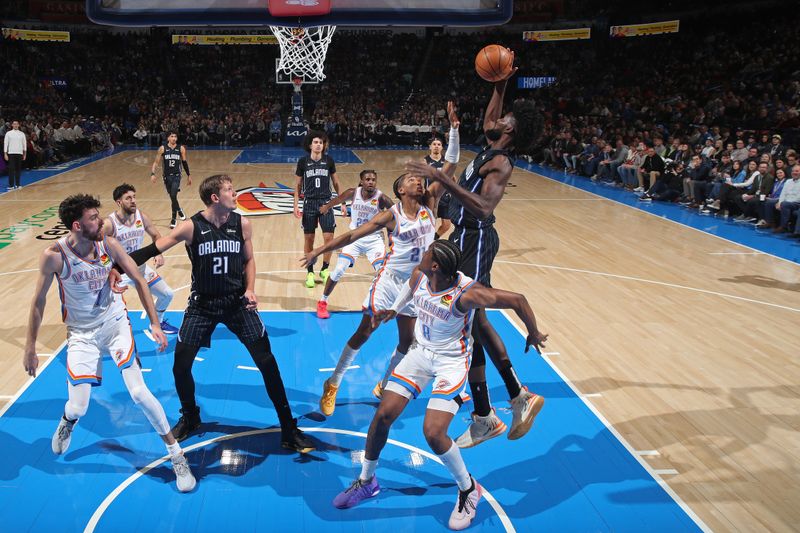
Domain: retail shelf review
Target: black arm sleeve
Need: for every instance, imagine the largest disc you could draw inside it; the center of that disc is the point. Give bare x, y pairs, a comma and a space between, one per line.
185, 164
141, 255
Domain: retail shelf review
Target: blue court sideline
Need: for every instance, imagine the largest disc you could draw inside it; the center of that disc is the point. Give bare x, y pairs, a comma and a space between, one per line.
569, 474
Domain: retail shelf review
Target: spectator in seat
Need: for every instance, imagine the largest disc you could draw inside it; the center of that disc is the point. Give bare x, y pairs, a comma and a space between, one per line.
789, 201
748, 203
767, 208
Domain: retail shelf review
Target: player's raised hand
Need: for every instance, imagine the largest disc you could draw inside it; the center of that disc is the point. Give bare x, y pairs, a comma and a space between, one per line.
384, 315
537, 340
452, 116
31, 362
512, 71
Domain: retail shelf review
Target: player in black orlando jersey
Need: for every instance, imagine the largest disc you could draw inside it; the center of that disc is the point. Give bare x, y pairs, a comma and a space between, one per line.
219, 244
315, 174
474, 200
172, 156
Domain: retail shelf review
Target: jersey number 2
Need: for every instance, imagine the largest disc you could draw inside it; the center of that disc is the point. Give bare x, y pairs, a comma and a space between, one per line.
220, 265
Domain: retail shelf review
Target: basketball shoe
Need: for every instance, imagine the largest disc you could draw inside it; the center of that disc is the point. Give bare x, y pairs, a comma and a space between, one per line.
187, 423
62, 436
168, 328
322, 310
466, 507
525, 408
310, 280
358, 491
183, 474
294, 439
327, 403
482, 429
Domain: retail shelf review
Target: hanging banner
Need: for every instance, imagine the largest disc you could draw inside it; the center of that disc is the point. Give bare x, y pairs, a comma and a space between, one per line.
224, 39
13, 34
573, 34
638, 30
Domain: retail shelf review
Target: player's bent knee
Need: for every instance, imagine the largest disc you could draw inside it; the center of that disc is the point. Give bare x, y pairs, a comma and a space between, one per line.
76, 409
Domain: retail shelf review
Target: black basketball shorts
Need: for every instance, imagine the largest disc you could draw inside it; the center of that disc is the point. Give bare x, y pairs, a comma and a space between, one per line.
478, 249
312, 216
443, 209
204, 313
173, 184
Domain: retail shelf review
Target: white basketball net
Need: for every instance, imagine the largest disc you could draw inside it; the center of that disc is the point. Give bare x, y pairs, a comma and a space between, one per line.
303, 50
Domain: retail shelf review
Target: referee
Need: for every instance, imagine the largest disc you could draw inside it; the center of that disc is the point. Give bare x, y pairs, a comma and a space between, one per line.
220, 247
314, 175
15, 151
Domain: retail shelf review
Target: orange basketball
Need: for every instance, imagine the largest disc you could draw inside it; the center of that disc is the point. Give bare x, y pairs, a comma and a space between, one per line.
494, 62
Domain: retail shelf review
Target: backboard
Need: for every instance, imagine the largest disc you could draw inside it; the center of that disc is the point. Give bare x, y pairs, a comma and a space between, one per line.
341, 13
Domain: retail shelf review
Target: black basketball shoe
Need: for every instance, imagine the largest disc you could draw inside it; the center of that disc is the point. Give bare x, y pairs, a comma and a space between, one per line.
188, 422
294, 439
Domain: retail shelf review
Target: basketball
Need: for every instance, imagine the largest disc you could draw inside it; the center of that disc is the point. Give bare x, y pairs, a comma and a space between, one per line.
494, 62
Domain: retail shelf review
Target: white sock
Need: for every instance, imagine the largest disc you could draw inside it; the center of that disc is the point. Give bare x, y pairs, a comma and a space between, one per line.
324, 298
348, 354
455, 464
393, 362
368, 469
174, 450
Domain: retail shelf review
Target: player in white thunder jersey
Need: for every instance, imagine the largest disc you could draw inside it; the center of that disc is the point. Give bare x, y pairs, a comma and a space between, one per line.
445, 300
97, 323
128, 225
411, 226
367, 201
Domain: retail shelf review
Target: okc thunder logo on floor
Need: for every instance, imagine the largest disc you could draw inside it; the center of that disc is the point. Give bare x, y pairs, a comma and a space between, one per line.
263, 200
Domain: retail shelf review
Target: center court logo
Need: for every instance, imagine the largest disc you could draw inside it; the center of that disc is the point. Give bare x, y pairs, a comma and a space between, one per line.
263, 200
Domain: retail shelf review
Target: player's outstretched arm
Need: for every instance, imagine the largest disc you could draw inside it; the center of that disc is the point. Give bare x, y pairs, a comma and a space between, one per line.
346, 196
480, 297
51, 262
152, 230
120, 257
453, 151
481, 205
384, 219
494, 110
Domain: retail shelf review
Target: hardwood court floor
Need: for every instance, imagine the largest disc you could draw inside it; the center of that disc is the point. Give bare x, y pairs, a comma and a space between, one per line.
684, 344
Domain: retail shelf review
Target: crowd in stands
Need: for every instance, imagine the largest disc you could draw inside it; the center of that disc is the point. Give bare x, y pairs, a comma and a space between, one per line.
618, 109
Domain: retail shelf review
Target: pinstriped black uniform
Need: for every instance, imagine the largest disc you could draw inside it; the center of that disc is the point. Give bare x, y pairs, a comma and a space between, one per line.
476, 237
218, 284
443, 209
316, 181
